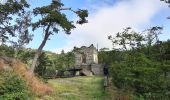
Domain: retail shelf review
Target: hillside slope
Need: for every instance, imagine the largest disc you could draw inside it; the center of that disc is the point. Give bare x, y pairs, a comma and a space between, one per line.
37, 86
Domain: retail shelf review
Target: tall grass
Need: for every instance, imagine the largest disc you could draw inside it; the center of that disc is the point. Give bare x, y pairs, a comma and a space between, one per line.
36, 85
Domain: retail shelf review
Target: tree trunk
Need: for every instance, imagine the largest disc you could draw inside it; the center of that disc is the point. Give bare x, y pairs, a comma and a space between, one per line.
38, 52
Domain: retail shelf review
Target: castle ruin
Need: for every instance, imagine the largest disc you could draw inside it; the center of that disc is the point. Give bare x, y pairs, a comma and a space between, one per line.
86, 55
86, 58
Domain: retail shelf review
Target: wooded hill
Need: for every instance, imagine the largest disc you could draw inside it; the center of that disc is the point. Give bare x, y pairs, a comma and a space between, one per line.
49, 62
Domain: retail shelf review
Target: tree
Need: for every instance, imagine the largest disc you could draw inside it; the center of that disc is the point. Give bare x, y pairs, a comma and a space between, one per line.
21, 29
7, 10
44, 62
127, 39
146, 77
53, 19
14, 30
152, 37
70, 59
103, 55
6, 51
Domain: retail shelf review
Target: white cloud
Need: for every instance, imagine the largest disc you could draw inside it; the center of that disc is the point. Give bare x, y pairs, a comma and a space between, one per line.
111, 19
2, 1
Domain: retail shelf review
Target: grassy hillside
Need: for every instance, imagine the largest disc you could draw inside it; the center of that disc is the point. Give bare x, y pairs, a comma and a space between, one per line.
77, 88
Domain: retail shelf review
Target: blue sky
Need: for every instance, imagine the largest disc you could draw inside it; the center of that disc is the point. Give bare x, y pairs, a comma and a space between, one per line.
106, 17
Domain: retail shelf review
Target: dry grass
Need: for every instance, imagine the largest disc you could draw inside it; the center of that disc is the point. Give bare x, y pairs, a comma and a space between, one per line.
37, 86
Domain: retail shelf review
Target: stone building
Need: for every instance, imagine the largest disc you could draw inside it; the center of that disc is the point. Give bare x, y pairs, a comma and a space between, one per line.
86, 58
86, 55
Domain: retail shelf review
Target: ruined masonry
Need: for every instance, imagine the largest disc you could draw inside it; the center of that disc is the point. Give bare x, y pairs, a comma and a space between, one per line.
86, 58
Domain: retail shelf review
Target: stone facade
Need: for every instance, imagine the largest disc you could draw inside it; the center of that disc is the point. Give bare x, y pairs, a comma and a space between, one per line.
86, 55
86, 58
97, 69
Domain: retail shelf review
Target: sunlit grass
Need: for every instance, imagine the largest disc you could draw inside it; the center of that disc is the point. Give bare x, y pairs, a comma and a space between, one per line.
77, 88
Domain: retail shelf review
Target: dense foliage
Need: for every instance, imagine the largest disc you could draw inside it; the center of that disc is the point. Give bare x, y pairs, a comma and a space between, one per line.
12, 87
6, 51
142, 67
50, 62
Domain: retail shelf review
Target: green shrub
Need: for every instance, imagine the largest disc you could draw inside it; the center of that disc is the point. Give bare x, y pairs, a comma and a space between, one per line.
6, 51
12, 87
142, 76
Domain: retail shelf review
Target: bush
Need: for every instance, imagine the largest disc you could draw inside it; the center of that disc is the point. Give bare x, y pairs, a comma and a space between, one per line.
12, 87
6, 51
142, 76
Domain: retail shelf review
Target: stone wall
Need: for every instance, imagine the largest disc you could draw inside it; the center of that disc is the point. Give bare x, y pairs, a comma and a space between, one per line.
97, 69
78, 59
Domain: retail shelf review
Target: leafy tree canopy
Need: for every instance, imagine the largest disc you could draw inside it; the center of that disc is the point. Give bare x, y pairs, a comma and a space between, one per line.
7, 12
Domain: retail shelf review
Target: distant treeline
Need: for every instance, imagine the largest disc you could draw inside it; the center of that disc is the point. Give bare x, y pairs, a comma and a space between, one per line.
48, 62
